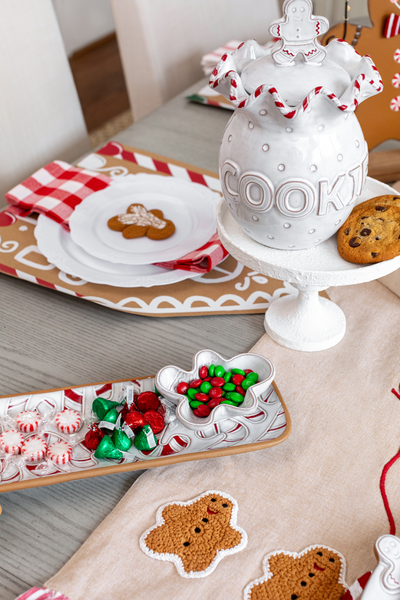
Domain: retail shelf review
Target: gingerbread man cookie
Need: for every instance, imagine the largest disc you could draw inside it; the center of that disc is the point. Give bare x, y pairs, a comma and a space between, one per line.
298, 31
195, 535
317, 573
138, 222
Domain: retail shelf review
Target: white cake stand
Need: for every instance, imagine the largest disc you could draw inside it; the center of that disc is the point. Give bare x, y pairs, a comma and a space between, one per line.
304, 321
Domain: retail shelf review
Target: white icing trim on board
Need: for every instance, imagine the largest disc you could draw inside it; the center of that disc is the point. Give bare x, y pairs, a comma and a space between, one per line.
176, 559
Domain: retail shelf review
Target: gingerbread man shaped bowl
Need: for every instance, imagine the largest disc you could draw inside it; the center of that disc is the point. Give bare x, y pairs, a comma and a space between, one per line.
293, 159
170, 377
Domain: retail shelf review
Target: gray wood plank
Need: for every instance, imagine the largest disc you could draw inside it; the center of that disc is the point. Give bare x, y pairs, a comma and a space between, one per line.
48, 339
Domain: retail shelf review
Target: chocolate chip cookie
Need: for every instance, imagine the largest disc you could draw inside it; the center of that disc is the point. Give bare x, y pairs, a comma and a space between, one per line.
370, 234
381, 200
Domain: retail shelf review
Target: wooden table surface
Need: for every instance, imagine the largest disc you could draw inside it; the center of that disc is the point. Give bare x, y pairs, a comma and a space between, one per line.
48, 340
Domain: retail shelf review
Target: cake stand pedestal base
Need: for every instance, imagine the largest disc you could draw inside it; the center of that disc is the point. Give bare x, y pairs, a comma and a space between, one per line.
305, 321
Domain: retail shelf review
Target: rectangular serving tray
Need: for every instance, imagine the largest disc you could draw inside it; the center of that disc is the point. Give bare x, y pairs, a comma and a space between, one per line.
268, 426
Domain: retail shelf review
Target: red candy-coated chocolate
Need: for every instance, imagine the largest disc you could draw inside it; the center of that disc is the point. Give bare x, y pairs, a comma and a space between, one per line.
207, 379
147, 401
215, 392
247, 371
214, 402
240, 390
203, 372
135, 420
202, 411
196, 383
182, 387
202, 397
217, 381
155, 420
237, 379
93, 437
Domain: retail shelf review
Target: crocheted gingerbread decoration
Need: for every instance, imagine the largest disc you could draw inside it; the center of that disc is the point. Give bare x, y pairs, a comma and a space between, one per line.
195, 535
315, 574
138, 222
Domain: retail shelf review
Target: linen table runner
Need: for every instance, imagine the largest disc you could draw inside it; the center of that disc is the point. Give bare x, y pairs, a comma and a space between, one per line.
229, 288
320, 487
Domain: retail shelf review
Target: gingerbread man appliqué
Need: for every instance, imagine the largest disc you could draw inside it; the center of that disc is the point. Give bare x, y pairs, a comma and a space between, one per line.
298, 31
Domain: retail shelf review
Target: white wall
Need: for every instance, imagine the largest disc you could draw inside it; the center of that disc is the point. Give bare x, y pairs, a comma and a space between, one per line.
83, 22
40, 118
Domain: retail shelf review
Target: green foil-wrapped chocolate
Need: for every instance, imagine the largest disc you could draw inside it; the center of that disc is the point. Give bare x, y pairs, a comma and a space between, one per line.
101, 406
106, 449
111, 416
121, 440
145, 440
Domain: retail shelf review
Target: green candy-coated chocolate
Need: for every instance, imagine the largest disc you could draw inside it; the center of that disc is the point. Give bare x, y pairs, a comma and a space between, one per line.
253, 376
211, 370
219, 371
239, 372
192, 392
228, 402
235, 397
121, 440
106, 449
228, 376
111, 416
156, 391
145, 440
195, 404
229, 387
246, 384
205, 387
228, 395
101, 406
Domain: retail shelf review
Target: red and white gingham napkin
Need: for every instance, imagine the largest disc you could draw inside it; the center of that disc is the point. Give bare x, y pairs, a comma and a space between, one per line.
55, 191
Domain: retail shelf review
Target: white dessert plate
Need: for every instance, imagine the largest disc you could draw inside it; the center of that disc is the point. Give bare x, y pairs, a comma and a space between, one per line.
190, 206
59, 249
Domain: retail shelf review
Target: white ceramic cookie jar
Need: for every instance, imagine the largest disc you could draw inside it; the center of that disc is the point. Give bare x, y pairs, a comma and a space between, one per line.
293, 158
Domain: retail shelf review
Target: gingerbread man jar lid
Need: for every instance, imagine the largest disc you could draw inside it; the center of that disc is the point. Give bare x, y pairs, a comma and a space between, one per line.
297, 47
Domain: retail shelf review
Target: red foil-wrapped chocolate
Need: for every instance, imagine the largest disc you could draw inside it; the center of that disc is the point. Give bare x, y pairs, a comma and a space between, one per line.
155, 420
147, 401
127, 408
93, 437
135, 420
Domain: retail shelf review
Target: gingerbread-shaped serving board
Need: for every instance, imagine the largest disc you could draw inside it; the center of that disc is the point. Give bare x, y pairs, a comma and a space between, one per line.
380, 116
267, 426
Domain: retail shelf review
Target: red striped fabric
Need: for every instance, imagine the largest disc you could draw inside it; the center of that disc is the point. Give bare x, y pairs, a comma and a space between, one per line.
42, 594
55, 190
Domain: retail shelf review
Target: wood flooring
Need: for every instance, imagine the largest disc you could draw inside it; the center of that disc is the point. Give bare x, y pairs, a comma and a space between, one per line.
99, 79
